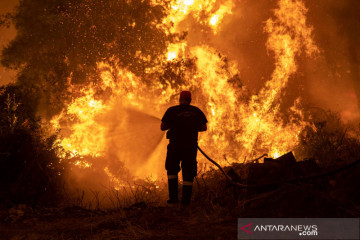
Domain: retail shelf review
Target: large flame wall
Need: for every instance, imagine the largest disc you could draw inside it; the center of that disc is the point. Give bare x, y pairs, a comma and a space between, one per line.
243, 92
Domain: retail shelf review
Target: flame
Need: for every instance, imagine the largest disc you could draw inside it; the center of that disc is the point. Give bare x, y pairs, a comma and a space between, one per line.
205, 12
217, 17
214, 19
288, 35
240, 125
86, 134
176, 50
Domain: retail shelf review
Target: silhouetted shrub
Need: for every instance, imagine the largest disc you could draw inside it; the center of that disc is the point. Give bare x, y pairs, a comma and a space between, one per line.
330, 141
30, 170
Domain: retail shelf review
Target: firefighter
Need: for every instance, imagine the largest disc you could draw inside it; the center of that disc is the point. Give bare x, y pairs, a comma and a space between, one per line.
183, 123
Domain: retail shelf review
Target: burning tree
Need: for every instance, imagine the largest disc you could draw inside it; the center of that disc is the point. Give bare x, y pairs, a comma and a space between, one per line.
104, 71
62, 40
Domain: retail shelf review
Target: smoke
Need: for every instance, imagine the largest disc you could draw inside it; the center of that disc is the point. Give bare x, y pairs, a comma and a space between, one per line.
329, 81
333, 79
241, 38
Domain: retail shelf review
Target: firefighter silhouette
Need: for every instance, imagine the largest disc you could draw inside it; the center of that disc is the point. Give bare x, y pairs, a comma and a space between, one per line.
183, 123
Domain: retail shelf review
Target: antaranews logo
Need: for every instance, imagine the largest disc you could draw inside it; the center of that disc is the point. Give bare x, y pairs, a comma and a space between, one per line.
298, 228
247, 226
303, 230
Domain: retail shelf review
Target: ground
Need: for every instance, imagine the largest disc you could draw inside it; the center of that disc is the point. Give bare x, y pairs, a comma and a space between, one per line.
216, 206
167, 222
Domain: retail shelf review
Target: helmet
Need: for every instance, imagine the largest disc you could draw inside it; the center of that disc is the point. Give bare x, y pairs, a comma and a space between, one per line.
185, 95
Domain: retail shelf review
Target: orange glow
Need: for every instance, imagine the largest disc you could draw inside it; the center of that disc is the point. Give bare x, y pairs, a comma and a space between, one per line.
175, 50
240, 126
217, 17
205, 12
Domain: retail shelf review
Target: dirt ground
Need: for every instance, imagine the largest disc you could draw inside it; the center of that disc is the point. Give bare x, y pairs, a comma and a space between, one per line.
138, 222
203, 220
215, 208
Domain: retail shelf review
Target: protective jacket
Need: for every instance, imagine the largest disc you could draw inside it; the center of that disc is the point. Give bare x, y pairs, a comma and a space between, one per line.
184, 122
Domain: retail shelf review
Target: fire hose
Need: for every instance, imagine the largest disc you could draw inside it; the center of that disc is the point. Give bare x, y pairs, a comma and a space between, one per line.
300, 179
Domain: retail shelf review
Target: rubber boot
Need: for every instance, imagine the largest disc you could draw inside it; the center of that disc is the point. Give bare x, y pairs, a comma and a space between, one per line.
173, 191
186, 195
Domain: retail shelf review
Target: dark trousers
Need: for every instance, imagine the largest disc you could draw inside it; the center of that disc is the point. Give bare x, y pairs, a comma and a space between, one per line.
184, 154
